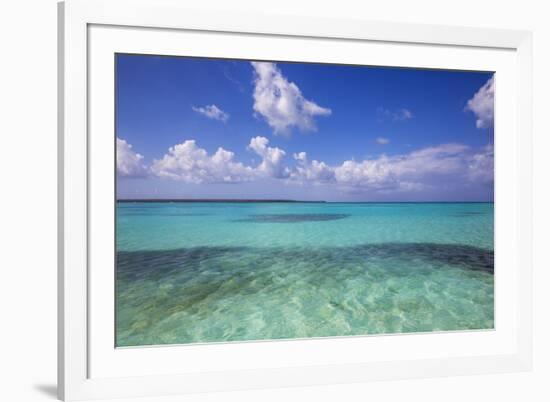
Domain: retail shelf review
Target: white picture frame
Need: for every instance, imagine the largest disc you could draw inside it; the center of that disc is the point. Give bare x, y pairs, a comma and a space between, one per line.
90, 368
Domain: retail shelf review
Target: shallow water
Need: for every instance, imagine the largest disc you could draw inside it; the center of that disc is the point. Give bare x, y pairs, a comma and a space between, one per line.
211, 272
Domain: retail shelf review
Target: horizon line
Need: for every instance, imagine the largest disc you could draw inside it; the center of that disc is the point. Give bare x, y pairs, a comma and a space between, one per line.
276, 200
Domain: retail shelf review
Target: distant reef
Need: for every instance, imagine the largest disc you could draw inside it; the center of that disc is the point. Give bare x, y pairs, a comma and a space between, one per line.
212, 200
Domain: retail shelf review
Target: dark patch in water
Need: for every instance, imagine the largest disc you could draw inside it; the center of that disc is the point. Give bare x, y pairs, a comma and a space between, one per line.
463, 256
293, 218
188, 279
158, 264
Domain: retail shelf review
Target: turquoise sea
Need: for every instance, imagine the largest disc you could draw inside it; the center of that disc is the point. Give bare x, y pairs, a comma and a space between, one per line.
235, 271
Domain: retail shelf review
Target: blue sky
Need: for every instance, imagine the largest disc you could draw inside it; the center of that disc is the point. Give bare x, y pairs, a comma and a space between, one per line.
210, 128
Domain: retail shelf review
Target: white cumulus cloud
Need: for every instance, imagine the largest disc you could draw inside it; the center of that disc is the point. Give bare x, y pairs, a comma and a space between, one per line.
483, 104
314, 171
300, 156
382, 140
442, 159
212, 112
436, 168
128, 162
404, 172
189, 163
272, 158
407, 172
481, 165
281, 102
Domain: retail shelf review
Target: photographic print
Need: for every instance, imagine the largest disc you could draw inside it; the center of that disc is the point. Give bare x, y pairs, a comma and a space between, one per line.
267, 200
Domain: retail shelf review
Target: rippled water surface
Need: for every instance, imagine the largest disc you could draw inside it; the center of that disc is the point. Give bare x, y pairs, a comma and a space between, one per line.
216, 272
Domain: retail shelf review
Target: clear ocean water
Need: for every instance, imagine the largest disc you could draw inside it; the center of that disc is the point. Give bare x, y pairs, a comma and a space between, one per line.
217, 272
